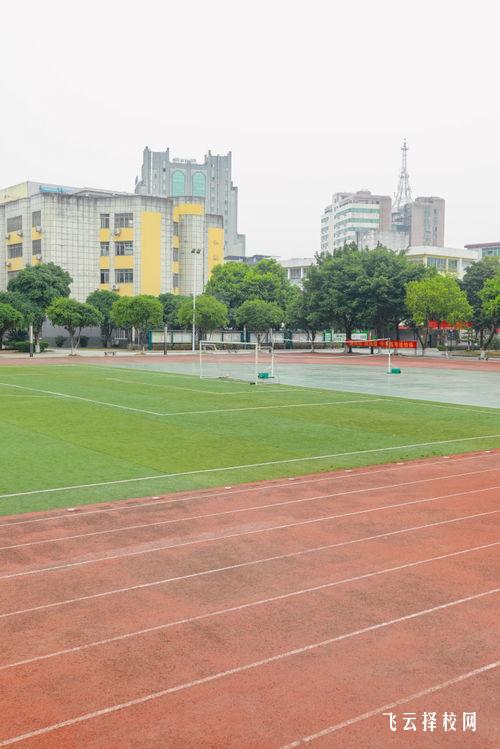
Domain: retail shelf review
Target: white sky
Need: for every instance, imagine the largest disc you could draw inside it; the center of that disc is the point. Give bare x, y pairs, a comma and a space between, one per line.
311, 98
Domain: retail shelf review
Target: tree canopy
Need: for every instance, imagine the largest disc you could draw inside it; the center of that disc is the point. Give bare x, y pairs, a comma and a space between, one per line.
475, 278
259, 316
234, 283
210, 313
171, 304
10, 319
73, 316
437, 298
142, 312
103, 300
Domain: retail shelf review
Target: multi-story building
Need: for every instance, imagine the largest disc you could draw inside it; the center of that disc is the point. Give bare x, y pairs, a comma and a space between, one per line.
296, 268
134, 244
447, 260
210, 180
422, 220
485, 249
352, 213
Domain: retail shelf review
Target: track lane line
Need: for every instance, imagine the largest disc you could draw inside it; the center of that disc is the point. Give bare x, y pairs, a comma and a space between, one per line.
242, 669
264, 486
401, 701
240, 607
244, 509
225, 469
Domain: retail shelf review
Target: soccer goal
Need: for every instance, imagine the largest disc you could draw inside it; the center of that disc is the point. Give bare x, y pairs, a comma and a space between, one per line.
250, 362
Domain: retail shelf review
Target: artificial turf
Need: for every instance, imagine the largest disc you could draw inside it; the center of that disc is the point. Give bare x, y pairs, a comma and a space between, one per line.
182, 425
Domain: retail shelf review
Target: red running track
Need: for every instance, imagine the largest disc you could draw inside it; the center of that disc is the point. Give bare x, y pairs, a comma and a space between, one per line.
278, 614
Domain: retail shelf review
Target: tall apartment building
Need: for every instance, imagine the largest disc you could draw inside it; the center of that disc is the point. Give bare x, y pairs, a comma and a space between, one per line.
210, 180
422, 220
485, 249
352, 213
134, 244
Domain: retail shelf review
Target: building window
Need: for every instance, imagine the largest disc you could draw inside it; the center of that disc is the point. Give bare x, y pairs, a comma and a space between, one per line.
199, 183
295, 274
36, 247
36, 219
124, 248
176, 227
15, 250
11, 274
437, 262
15, 223
124, 220
105, 275
453, 266
124, 275
104, 220
178, 183
104, 249
175, 254
175, 280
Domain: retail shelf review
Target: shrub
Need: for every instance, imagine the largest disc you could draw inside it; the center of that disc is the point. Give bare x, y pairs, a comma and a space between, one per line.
24, 346
84, 341
60, 339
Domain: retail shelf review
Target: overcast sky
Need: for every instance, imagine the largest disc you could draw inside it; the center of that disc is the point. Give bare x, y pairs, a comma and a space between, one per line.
311, 98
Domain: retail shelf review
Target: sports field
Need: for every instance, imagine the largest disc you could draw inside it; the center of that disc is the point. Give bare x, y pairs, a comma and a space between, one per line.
76, 434
231, 600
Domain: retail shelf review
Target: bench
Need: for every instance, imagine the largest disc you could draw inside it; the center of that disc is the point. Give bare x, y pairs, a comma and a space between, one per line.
110, 353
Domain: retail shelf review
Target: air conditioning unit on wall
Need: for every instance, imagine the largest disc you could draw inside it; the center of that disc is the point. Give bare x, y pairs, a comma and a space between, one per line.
117, 232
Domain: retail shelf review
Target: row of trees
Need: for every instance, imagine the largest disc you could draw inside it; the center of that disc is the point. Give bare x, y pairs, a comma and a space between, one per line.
351, 289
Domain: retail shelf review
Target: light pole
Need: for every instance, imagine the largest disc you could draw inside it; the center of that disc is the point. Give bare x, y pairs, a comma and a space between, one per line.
195, 254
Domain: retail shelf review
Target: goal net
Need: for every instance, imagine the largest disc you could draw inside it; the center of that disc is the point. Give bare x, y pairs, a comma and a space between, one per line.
249, 362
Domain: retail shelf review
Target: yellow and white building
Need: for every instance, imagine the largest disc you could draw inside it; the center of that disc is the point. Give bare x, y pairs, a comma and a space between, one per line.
134, 244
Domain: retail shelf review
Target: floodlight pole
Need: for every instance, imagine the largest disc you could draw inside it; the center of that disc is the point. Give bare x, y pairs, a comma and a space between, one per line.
194, 253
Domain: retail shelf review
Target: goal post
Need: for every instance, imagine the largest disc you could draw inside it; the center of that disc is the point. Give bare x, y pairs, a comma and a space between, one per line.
249, 362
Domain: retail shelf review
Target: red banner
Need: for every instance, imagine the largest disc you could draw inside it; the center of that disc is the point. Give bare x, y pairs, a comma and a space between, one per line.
380, 343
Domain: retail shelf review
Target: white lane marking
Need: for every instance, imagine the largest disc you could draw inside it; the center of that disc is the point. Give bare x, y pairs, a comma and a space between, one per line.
240, 607
80, 398
239, 669
390, 705
69, 565
243, 490
285, 461
253, 508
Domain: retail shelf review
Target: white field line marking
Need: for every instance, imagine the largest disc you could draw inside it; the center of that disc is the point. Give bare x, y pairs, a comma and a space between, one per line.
272, 407
192, 542
259, 488
80, 398
241, 669
241, 607
284, 461
390, 705
253, 508
192, 413
253, 563
194, 390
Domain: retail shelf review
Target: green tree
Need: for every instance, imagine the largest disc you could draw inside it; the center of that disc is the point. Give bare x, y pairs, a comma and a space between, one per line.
437, 298
300, 314
10, 319
40, 285
29, 312
259, 316
210, 314
171, 304
73, 316
103, 300
235, 283
384, 288
338, 289
142, 312
475, 278
490, 296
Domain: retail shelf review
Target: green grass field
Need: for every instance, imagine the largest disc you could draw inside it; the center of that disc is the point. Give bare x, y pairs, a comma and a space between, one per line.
118, 424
